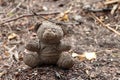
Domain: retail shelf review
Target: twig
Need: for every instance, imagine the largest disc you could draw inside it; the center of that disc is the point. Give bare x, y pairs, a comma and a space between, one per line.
10, 50
14, 9
27, 15
13, 54
103, 24
34, 13
56, 22
111, 2
98, 10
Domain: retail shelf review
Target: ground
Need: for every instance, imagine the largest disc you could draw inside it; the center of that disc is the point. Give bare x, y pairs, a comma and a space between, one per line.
84, 31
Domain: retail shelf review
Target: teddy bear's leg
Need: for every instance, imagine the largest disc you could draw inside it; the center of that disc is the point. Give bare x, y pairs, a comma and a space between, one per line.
65, 61
31, 59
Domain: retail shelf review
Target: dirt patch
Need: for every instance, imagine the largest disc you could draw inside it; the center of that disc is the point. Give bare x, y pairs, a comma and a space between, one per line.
87, 35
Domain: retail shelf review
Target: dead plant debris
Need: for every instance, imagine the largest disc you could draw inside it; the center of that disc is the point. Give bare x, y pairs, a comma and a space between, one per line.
96, 49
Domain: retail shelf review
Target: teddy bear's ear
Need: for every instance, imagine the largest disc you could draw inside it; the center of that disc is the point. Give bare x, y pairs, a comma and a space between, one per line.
37, 26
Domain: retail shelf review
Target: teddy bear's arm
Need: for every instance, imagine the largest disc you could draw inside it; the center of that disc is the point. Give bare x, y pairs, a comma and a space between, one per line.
64, 46
33, 45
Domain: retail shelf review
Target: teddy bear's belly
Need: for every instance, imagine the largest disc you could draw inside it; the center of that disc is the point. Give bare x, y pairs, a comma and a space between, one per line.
49, 58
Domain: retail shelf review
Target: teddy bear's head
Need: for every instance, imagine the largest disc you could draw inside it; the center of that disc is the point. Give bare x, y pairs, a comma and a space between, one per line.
49, 33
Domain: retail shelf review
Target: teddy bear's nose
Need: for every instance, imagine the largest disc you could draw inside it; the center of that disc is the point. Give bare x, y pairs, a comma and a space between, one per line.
49, 34
51, 31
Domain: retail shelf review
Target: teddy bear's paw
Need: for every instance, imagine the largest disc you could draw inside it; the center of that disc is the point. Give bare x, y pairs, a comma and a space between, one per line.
65, 61
33, 45
32, 59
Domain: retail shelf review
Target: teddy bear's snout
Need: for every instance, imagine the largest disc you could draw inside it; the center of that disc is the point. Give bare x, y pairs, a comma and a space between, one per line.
49, 34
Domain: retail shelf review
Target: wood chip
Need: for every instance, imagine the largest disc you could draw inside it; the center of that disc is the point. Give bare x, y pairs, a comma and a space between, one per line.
115, 7
12, 36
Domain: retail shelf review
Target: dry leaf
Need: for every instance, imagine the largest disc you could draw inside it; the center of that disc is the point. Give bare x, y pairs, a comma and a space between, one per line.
80, 57
75, 55
64, 17
12, 36
85, 55
90, 55
6, 53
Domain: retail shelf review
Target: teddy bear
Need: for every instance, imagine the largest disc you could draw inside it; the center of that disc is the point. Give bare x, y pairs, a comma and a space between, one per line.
48, 48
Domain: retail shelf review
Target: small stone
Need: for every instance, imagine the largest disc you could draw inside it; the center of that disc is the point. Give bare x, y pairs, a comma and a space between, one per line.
45, 8
86, 7
77, 17
73, 79
93, 75
118, 72
79, 78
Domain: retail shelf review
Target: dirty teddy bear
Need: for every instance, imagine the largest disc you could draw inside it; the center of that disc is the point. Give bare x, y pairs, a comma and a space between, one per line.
48, 48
